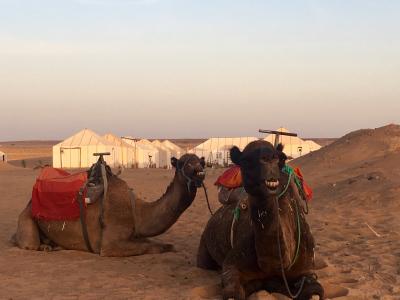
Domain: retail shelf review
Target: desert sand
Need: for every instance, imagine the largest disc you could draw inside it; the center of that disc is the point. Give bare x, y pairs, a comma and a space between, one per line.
354, 217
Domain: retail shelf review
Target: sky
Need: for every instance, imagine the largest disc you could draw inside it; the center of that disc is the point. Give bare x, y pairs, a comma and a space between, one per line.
196, 69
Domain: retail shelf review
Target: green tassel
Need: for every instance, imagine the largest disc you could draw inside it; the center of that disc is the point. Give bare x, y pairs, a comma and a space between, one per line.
236, 213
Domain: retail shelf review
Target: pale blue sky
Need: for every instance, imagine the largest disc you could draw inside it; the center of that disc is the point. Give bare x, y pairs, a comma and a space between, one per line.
169, 68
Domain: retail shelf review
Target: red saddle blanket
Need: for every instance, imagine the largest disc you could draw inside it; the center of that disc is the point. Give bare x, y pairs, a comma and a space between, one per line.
54, 195
231, 178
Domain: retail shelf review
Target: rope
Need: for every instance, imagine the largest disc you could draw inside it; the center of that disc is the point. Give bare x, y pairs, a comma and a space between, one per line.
281, 260
288, 170
208, 202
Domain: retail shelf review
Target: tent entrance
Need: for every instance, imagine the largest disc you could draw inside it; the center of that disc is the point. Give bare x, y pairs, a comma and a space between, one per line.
70, 157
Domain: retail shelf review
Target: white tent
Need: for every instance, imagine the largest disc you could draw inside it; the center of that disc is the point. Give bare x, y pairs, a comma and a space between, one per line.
146, 155
127, 152
216, 150
3, 157
77, 151
293, 146
313, 145
147, 151
164, 155
176, 151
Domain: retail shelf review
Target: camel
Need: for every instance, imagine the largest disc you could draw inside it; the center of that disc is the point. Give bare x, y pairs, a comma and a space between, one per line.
256, 240
128, 220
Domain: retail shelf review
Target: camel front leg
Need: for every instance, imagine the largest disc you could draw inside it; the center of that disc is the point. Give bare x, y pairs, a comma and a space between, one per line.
123, 248
231, 284
27, 235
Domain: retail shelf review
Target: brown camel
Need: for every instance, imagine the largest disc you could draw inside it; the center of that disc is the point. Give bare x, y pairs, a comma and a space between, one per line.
128, 221
258, 246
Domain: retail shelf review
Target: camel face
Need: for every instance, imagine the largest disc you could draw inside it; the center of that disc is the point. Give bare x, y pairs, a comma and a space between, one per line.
190, 169
259, 164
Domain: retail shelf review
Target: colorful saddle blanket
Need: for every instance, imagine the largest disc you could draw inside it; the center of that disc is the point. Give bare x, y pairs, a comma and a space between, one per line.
54, 195
232, 178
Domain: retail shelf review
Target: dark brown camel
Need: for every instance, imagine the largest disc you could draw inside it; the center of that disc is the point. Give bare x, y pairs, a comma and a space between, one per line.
127, 225
247, 249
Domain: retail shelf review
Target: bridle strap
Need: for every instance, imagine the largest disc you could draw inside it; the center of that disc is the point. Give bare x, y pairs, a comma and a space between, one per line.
190, 180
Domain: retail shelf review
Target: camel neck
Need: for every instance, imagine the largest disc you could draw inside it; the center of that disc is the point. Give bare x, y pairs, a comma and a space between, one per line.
266, 225
154, 218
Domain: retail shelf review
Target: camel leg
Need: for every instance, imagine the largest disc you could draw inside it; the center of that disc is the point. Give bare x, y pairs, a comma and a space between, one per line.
231, 285
124, 248
27, 236
204, 259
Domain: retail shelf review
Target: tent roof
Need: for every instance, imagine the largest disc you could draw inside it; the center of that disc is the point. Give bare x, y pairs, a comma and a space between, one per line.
313, 145
146, 144
219, 142
112, 138
172, 146
160, 146
84, 137
157, 143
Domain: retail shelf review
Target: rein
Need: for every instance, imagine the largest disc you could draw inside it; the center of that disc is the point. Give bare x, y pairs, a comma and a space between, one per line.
298, 242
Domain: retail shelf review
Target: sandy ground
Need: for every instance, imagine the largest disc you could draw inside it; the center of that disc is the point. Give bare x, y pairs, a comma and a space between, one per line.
356, 182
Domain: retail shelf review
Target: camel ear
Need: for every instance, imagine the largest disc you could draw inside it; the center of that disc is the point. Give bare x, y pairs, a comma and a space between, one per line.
203, 161
174, 161
236, 155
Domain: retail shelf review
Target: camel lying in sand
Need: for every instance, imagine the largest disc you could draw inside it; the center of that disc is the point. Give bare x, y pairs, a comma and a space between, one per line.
264, 241
127, 225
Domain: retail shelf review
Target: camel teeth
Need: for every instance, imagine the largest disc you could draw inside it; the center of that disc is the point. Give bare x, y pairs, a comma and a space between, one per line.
272, 184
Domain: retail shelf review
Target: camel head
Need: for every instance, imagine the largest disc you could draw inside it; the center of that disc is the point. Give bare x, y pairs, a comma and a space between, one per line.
259, 164
190, 169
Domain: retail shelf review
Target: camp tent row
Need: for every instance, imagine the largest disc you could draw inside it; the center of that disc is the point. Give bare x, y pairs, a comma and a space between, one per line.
77, 151
216, 150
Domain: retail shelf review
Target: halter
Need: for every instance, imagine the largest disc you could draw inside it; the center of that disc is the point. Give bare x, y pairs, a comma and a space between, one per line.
190, 180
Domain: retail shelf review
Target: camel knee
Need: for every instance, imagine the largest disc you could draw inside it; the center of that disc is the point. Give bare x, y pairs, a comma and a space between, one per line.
27, 235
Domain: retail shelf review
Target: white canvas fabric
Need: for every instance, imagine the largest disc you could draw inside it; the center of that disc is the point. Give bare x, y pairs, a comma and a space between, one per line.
127, 152
165, 155
77, 151
293, 146
216, 150
175, 149
3, 157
